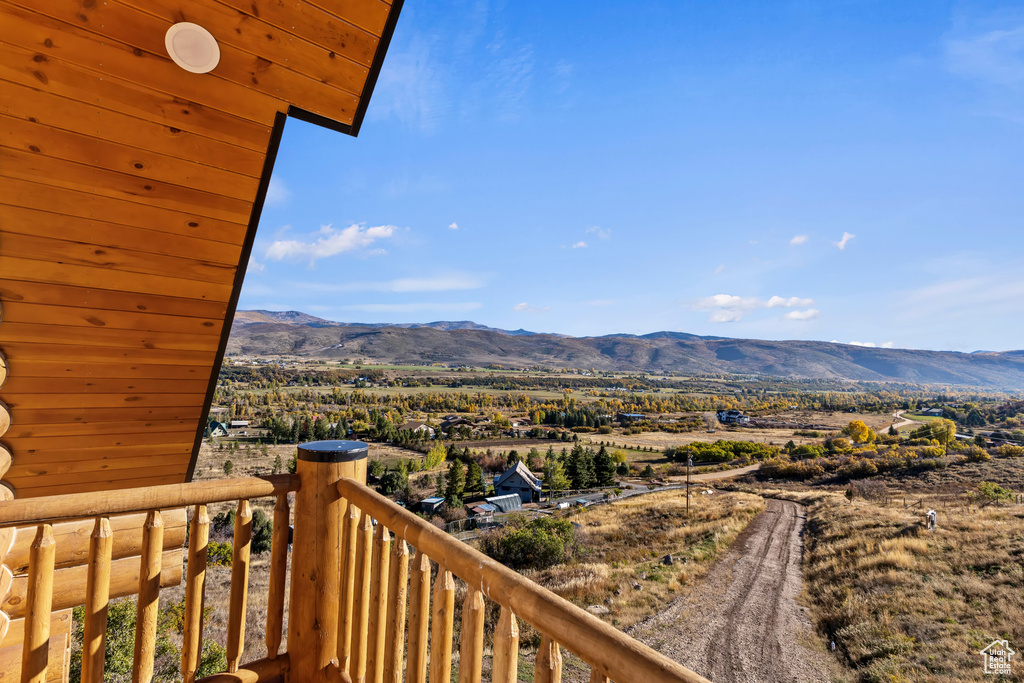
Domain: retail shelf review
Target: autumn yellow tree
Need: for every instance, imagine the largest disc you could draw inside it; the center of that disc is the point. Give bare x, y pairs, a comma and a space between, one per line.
860, 432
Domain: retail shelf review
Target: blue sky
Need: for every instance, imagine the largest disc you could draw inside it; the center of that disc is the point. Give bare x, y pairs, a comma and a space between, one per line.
848, 171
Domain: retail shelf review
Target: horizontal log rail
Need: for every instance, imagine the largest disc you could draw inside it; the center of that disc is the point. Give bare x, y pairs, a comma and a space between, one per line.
45, 509
611, 654
44, 588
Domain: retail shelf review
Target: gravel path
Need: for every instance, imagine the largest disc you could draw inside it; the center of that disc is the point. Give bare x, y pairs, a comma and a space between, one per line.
742, 623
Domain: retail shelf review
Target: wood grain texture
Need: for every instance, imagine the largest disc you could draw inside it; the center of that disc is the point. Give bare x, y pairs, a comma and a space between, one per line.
74, 539
278, 572
195, 590
148, 607
35, 653
506, 648
419, 618
97, 597
30, 100
93, 206
394, 644
127, 187
240, 552
442, 627
377, 627
38, 138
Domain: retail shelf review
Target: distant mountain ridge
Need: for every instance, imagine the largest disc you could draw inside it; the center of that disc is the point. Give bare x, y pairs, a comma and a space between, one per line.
268, 333
299, 318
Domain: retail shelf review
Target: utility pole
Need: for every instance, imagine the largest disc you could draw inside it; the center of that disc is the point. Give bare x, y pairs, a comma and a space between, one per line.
689, 464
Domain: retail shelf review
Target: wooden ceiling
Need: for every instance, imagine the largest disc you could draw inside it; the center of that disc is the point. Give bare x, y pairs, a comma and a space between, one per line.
130, 191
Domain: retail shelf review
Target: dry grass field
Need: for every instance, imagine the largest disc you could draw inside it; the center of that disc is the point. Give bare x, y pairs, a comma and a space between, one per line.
906, 604
624, 543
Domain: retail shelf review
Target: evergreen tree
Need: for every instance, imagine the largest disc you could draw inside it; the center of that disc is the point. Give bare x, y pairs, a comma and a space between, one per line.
580, 467
604, 468
320, 429
512, 458
456, 484
475, 477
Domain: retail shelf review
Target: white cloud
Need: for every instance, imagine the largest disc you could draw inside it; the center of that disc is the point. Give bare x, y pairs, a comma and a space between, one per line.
453, 226
726, 301
730, 308
799, 239
330, 242
843, 242
725, 316
602, 234
450, 282
791, 302
720, 269
869, 345
278, 193
580, 245
527, 308
255, 266
809, 314
996, 57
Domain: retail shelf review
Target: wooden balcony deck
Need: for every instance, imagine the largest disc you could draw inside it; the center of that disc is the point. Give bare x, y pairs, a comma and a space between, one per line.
361, 604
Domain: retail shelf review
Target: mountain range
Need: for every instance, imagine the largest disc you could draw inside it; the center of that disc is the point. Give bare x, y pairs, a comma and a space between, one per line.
267, 333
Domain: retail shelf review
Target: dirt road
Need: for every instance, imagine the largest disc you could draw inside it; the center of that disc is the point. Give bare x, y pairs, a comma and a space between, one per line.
742, 623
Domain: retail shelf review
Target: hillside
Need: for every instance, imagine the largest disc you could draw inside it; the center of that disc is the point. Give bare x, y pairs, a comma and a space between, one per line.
655, 352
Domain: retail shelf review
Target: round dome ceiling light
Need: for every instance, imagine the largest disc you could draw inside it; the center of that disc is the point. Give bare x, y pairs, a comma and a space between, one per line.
192, 47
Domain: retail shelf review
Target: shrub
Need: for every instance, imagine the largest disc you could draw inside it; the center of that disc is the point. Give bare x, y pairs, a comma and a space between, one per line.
218, 554
392, 482
1009, 451
976, 454
537, 544
989, 492
376, 469
604, 429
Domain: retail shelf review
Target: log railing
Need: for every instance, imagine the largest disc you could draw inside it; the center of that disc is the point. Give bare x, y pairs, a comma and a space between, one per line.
48, 589
611, 654
361, 607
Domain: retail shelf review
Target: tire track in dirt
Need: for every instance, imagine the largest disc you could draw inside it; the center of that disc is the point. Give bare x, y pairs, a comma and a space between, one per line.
742, 623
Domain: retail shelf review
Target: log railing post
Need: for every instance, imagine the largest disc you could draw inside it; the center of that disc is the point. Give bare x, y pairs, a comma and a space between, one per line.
395, 637
316, 552
506, 648
377, 627
97, 597
472, 649
443, 626
195, 586
148, 609
419, 618
278, 569
240, 555
361, 606
548, 665
346, 592
35, 653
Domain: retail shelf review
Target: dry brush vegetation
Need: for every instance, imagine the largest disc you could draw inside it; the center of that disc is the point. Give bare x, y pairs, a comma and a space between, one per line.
903, 603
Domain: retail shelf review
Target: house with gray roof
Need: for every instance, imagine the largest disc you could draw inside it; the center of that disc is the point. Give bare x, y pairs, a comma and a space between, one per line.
520, 481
